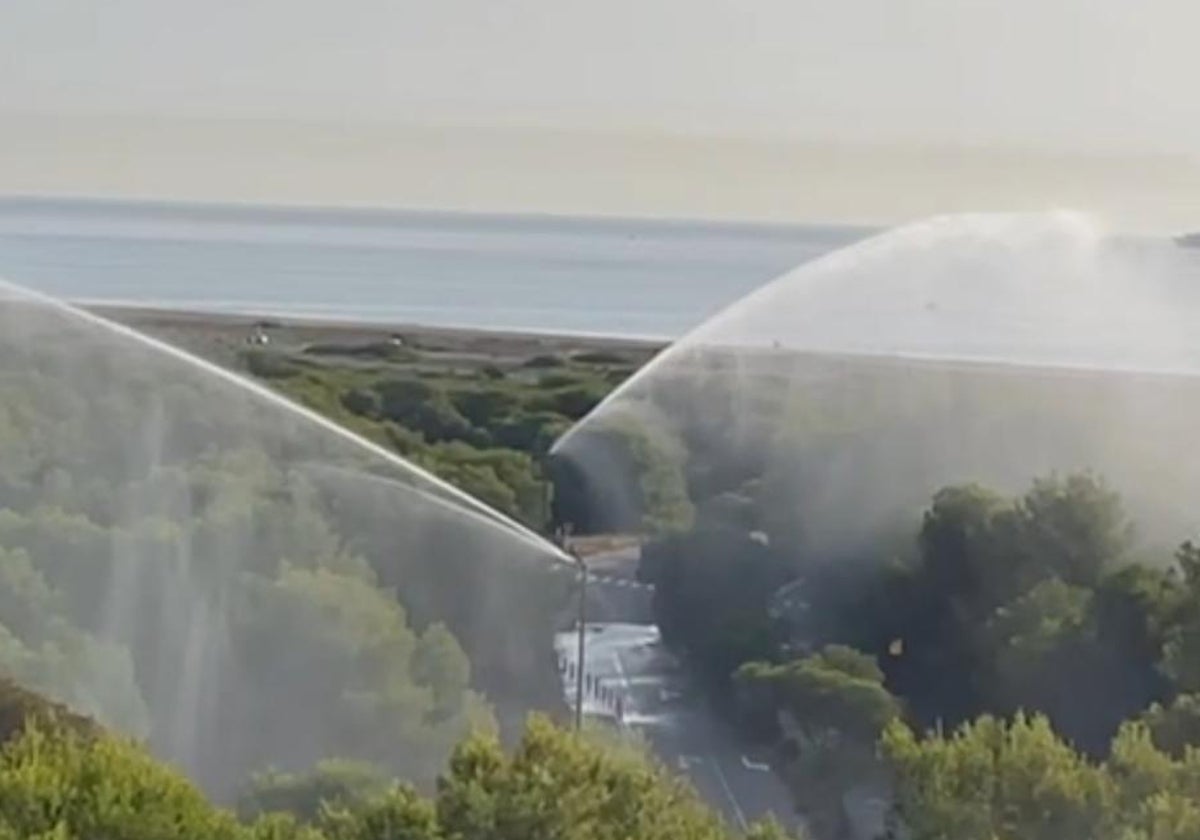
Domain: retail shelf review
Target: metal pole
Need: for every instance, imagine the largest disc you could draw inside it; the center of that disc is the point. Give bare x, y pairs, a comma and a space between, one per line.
582, 619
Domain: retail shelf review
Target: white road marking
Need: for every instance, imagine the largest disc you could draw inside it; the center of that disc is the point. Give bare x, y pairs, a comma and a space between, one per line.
756, 766
737, 809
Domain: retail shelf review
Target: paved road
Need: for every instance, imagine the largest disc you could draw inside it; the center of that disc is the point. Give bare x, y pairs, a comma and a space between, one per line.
626, 660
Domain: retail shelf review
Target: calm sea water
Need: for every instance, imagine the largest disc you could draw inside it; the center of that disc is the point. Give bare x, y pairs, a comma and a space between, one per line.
633, 278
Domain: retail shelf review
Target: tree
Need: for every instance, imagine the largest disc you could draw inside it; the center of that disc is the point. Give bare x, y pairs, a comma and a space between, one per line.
959, 539
1175, 726
56, 783
1004, 614
59, 781
330, 784
712, 587
623, 472
1074, 527
984, 551
559, 786
1181, 651
992, 780
397, 814
1042, 648
831, 707
996, 780
836, 690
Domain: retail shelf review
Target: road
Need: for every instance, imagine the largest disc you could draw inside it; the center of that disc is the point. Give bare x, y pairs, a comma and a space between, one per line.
625, 659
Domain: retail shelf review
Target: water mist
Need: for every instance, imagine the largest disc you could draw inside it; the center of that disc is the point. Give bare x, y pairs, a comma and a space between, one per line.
836, 399
194, 560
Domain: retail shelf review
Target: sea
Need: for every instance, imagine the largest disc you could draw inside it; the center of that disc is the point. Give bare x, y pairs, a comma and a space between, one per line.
616, 277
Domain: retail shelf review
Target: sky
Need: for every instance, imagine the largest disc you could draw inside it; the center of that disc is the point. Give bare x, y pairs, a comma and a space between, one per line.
848, 89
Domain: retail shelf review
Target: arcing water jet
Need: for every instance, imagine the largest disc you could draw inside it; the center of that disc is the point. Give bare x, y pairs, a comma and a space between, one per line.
835, 399
195, 560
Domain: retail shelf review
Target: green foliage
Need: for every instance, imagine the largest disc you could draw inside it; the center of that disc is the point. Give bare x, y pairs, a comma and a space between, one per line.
1007, 606
712, 587
392, 692
574, 400
984, 550
1181, 658
1037, 641
830, 709
1020, 603
41, 648
836, 690
330, 784
992, 780
556, 786
20, 708
384, 350
56, 783
479, 431
995, 781
1076, 528
625, 474
267, 364
1175, 726
419, 405
397, 814
155, 552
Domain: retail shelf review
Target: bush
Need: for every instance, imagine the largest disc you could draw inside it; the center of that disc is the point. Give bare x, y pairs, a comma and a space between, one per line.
573, 401
337, 784
267, 364
362, 401
544, 361
427, 409
20, 708
598, 357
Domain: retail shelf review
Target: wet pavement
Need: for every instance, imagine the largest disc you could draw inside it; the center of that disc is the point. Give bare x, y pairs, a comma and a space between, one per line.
633, 681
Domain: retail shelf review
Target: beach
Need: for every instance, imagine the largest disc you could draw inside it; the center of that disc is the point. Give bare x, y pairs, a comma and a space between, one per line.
221, 337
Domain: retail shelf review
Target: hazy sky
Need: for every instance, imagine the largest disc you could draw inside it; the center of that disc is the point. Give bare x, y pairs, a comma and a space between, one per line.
1077, 76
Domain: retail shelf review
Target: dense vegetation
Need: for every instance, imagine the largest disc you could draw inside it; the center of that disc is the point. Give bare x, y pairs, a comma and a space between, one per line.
1019, 779
1008, 606
62, 780
202, 569
994, 666
827, 599
485, 427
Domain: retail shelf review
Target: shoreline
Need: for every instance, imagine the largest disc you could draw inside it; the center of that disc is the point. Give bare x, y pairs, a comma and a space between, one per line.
129, 311
215, 335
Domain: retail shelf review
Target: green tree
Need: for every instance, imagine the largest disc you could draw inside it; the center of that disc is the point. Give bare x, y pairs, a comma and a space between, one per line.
991, 780
558, 786
56, 783
712, 588
1039, 645
1074, 527
1175, 726
398, 814
331, 784
831, 707
1181, 651
61, 778
623, 473
836, 690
